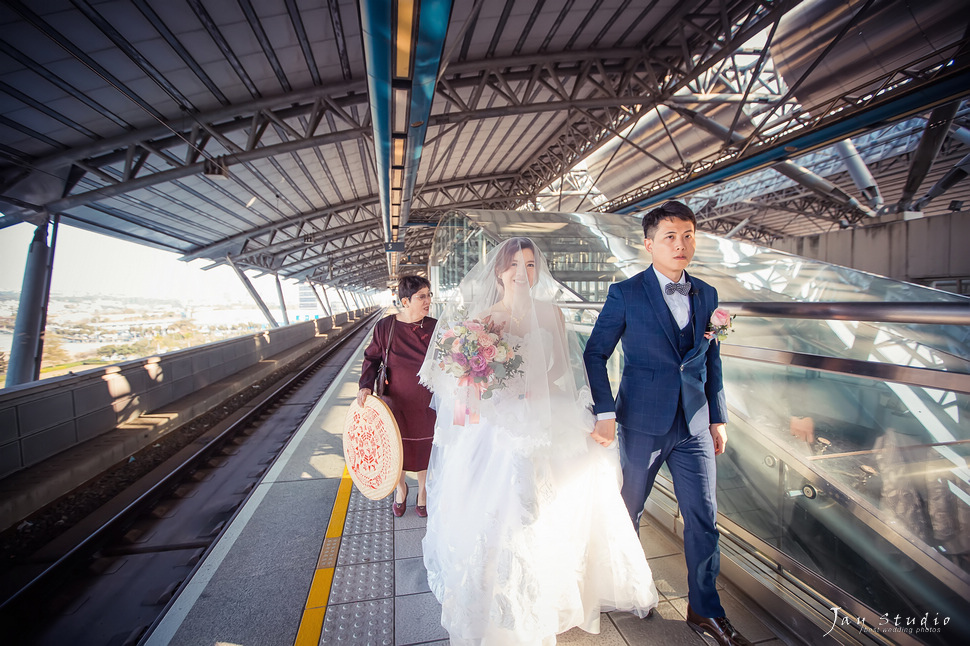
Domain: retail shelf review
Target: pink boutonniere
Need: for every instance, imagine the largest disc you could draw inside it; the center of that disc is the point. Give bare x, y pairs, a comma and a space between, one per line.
719, 325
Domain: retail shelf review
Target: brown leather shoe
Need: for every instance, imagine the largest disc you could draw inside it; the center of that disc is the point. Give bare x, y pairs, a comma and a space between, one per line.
717, 627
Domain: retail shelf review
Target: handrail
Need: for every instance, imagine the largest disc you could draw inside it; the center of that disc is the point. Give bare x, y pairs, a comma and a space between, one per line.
932, 313
907, 375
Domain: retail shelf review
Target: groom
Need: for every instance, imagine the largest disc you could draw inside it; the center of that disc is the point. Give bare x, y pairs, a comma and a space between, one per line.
670, 406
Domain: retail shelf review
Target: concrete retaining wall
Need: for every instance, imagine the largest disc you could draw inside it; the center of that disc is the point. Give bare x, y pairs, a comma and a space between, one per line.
41, 419
921, 251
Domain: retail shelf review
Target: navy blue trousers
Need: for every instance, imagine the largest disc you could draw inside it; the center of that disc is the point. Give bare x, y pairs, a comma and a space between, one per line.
690, 459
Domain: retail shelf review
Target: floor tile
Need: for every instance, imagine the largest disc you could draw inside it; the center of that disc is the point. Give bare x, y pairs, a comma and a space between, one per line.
368, 622
609, 635
366, 548
410, 577
670, 575
407, 542
665, 626
417, 620
657, 543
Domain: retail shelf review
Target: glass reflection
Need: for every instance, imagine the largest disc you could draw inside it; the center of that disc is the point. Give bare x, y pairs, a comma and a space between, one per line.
860, 481
864, 483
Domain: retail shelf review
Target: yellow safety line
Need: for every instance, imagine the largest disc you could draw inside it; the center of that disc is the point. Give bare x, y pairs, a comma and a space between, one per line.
311, 625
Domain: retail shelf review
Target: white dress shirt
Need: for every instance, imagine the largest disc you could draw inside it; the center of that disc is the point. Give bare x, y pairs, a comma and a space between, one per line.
678, 303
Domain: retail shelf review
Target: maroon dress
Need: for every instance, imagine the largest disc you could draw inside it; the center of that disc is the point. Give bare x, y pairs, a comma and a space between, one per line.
407, 399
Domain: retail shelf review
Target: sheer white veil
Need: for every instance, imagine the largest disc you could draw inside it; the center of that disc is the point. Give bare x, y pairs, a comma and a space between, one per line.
540, 401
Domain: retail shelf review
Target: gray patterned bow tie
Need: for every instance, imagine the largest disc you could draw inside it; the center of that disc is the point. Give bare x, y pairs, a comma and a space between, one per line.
683, 288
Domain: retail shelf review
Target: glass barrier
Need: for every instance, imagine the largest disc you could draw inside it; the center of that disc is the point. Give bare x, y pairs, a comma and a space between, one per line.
587, 252
863, 483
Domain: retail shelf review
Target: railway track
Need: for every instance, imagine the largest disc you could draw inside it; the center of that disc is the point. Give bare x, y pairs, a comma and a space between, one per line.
107, 579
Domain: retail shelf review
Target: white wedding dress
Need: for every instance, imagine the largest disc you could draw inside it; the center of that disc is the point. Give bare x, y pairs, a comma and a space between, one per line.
527, 534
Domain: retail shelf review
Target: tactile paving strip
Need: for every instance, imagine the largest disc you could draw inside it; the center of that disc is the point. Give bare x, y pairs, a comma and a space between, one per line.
360, 501
368, 622
362, 582
366, 548
369, 520
328, 555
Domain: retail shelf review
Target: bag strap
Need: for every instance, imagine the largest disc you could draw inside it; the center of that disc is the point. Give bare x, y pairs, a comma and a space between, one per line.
390, 335
381, 382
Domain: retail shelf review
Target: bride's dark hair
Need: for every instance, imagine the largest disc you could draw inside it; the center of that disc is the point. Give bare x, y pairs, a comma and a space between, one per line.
505, 254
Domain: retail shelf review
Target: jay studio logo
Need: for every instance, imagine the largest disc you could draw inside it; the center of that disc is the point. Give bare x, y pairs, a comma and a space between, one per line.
885, 623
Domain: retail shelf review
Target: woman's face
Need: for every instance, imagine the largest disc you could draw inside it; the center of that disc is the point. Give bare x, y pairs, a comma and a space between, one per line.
521, 274
419, 303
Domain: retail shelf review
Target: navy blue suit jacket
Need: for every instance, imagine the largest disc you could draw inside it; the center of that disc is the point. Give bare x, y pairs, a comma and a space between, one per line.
655, 377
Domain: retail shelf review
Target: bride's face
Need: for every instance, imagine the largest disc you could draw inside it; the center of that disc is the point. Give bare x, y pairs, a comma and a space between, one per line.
521, 274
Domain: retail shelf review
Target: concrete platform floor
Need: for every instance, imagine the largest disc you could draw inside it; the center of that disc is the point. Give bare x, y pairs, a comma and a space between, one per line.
308, 561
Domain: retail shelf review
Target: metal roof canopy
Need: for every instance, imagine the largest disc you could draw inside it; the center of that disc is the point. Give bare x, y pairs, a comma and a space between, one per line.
241, 131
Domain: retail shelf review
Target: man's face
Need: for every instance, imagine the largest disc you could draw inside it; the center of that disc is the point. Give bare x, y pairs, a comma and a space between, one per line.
672, 246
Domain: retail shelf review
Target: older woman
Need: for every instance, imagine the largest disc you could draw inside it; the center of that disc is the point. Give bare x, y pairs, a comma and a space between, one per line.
407, 399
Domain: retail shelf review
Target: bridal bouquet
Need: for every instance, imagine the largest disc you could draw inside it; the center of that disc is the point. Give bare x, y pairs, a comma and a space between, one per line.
719, 325
475, 354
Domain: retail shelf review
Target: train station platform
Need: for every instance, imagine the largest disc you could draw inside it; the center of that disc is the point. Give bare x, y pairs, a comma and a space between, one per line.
309, 560
57, 434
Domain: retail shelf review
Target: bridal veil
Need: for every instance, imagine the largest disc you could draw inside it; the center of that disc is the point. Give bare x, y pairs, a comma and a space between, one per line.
534, 383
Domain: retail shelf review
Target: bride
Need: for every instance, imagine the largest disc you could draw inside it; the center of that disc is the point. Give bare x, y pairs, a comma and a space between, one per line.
527, 534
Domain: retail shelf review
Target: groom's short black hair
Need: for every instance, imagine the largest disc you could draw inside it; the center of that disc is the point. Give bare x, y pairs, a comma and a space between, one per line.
673, 210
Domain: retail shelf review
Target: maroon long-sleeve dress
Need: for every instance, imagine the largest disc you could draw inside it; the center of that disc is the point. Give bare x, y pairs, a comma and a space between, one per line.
407, 399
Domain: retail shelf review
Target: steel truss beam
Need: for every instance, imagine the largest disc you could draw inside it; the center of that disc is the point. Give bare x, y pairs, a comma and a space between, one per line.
311, 230
693, 45
602, 92
906, 91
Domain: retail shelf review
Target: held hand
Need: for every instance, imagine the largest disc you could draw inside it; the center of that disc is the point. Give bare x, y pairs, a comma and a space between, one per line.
719, 435
604, 432
362, 395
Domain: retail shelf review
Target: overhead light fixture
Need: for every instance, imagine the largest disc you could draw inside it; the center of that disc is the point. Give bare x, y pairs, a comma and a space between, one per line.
405, 45
402, 97
215, 168
250, 202
397, 177
397, 154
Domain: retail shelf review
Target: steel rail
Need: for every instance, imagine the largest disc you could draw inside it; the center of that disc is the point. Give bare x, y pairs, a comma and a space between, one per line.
922, 312
928, 313
52, 574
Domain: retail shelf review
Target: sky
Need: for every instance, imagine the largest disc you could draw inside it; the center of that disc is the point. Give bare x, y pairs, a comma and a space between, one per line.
90, 263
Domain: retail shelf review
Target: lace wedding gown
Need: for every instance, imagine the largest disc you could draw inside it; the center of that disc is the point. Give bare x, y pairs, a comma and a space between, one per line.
527, 534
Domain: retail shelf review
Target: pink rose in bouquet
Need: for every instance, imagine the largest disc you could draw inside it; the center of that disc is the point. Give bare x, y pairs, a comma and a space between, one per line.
488, 352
